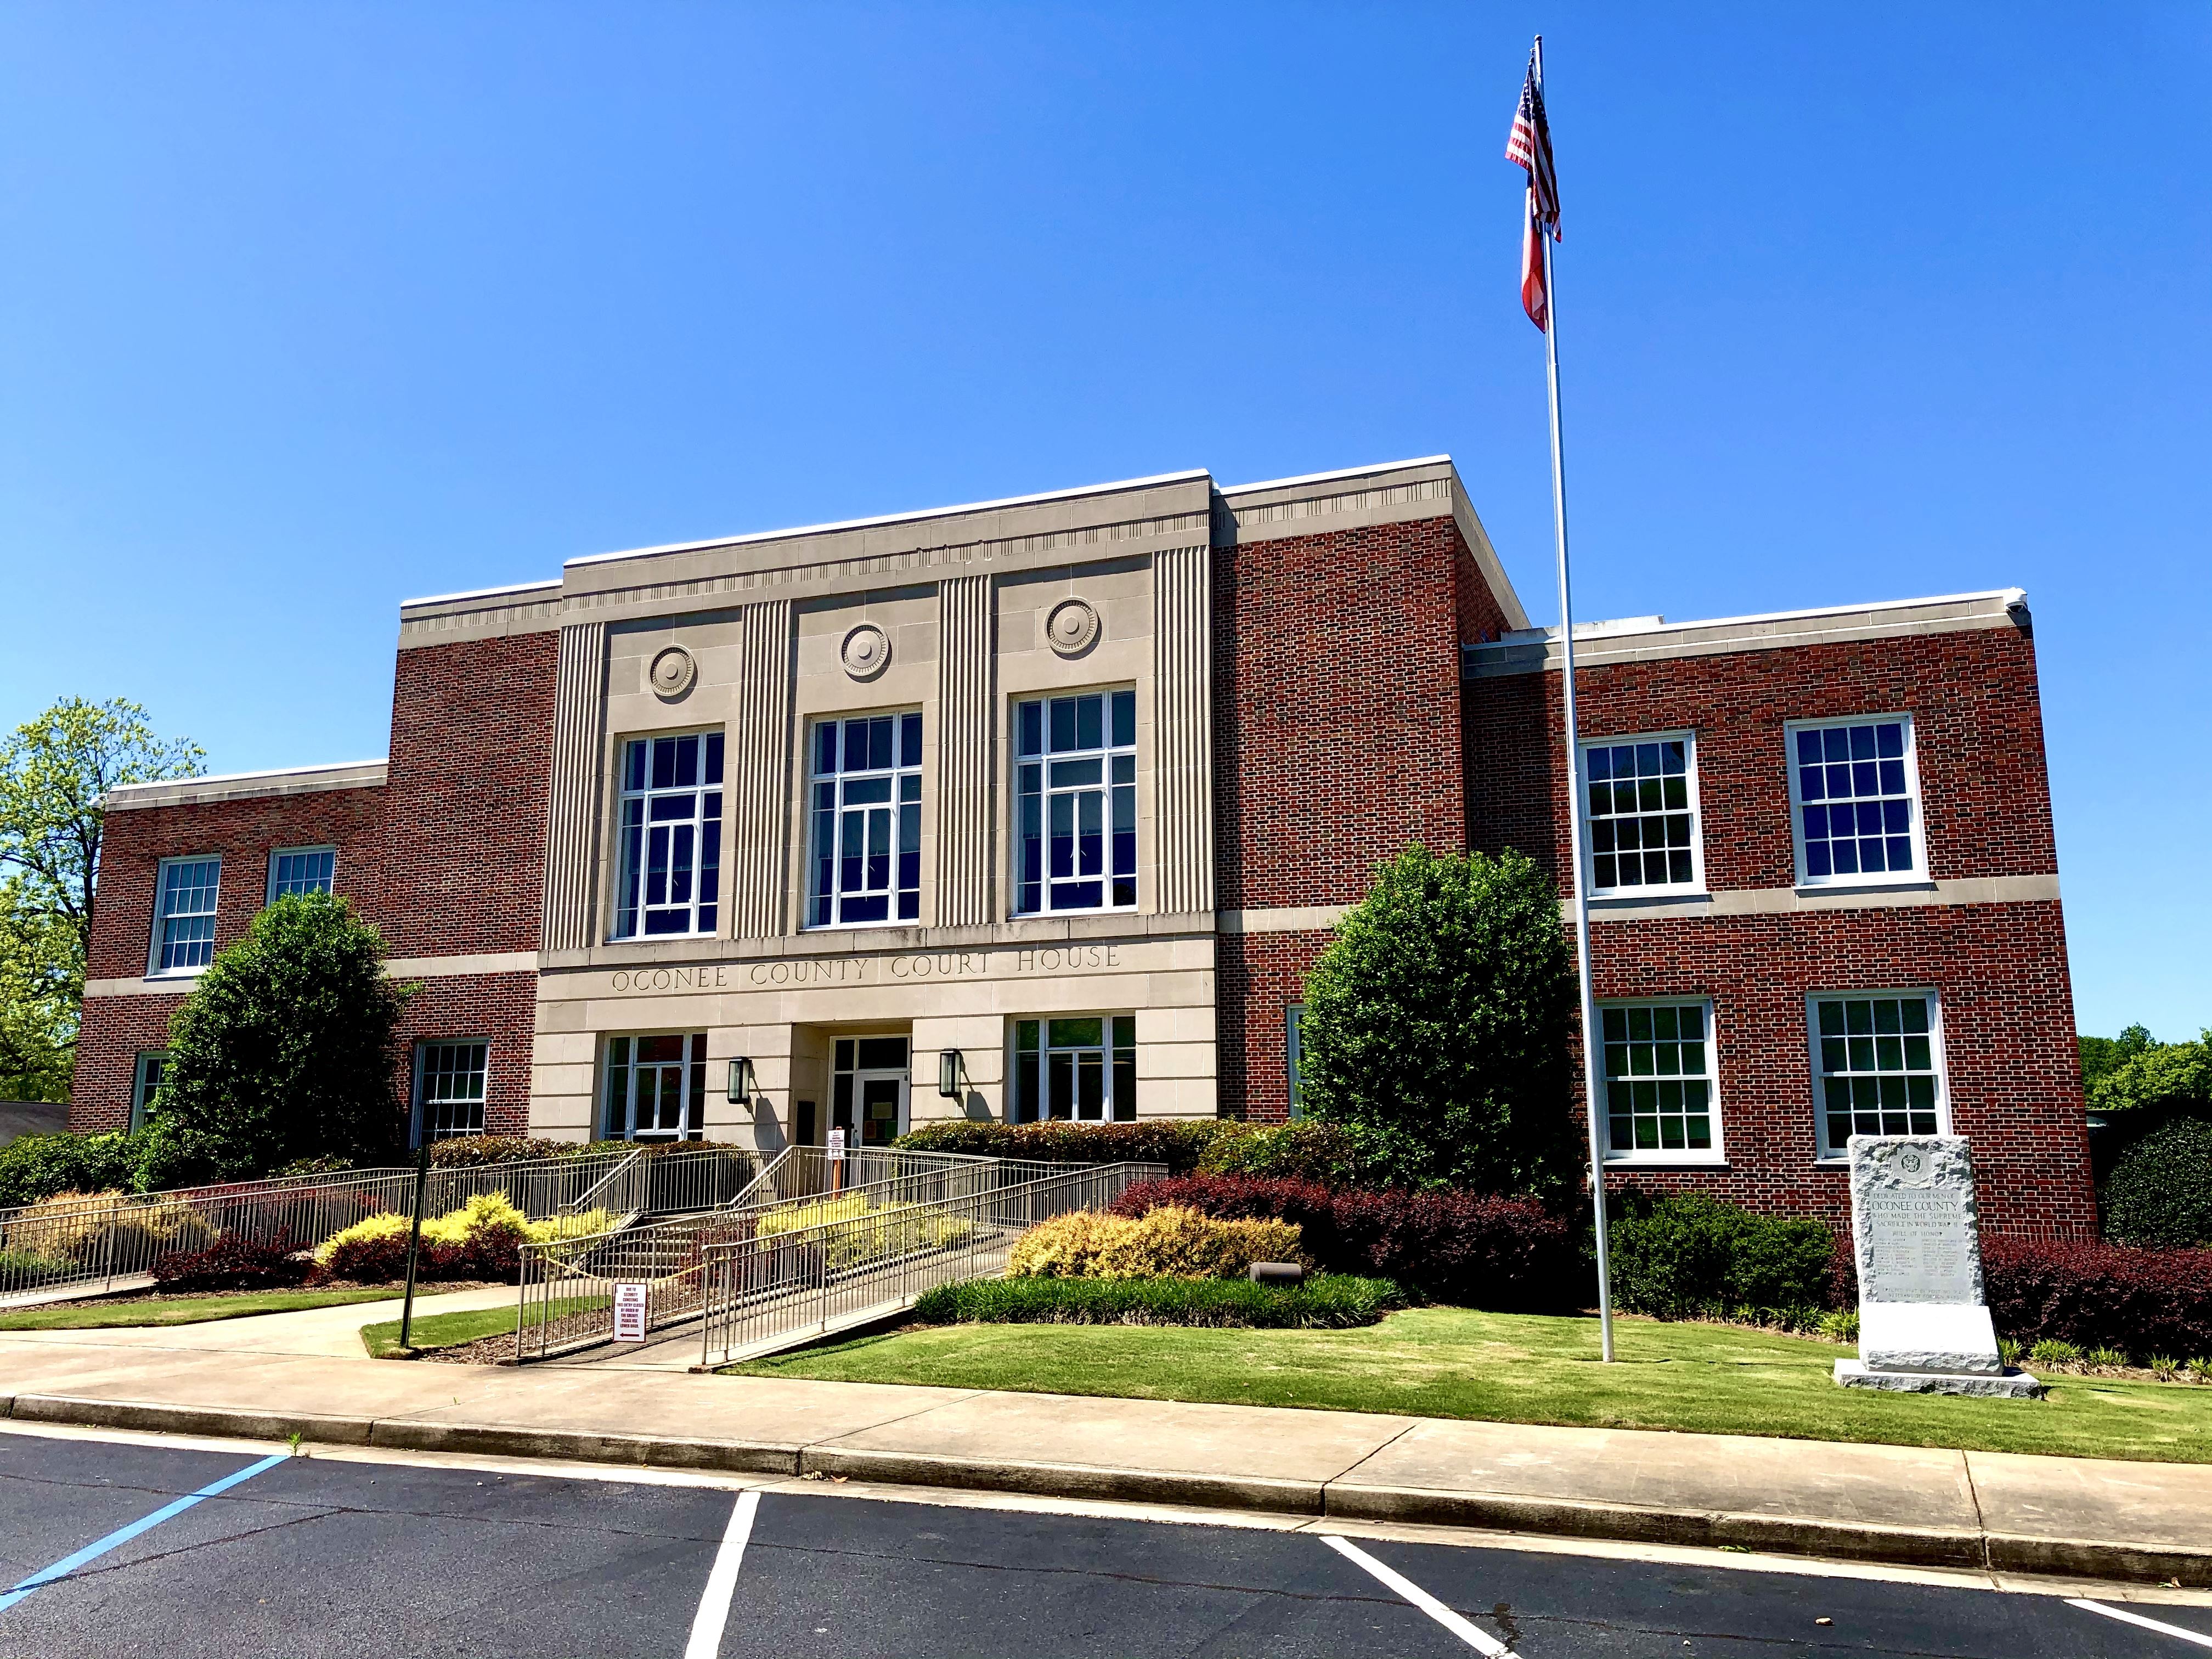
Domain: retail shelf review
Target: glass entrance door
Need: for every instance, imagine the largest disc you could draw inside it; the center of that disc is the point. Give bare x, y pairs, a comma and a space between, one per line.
868, 1090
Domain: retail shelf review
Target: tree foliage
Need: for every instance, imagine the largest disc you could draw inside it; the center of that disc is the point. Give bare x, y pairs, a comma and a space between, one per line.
2102, 1056
2160, 1191
286, 1050
55, 771
1439, 1026
2168, 1076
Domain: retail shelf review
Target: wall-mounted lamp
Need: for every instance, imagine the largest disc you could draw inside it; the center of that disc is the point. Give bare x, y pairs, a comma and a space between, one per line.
951, 1078
741, 1079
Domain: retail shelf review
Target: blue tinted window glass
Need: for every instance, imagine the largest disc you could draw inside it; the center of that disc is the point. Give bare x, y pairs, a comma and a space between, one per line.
825, 747
1125, 719
1890, 740
1809, 747
1032, 728
909, 740
1063, 723
714, 769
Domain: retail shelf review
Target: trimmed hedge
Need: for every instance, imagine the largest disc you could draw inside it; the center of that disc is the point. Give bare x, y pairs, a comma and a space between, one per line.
2142, 1301
1169, 1242
2160, 1192
231, 1263
474, 1151
1176, 1142
1691, 1255
33, 1167
1333, 1154
1332, 1301
1508, 1255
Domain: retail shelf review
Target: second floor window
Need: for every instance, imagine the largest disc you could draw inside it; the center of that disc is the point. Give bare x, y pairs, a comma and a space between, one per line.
1854, 787
672, 836
867, 821
1075, 803
1641, 797
184, 928
301, 870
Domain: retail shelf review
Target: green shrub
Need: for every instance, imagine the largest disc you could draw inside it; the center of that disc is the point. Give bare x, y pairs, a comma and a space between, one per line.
1692, 1255
1171, 1242
1331, 1301
1842, 1326
856, 1232
483, 1239
2160, 1193
92, 1228
1333, 1154
25, 1270
1176, 1142
2053, 1351
33, 1167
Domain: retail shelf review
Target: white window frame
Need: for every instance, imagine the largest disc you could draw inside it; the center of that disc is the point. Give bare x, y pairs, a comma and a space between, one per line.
1916, 876
1107, 753
1110, 1050
154, 968
422, 1102
1696, 884
1825, 1153
269, 896
692, 1088
700, 820
1294, 1043
1663, 1157
896, 806
142, 1089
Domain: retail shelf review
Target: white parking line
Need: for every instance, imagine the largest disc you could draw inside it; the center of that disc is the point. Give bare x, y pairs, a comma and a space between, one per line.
2127, 1618
1481, 1641
714, 1613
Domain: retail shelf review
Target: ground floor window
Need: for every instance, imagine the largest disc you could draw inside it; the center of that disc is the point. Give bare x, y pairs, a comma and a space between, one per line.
146, 1082
1294, 1017
1078, 1066
656, 1087
449, 1088
1877, 1065
1660, 1089
867, 1089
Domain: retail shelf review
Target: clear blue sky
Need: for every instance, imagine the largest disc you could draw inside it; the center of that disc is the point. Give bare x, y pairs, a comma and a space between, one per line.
306, 309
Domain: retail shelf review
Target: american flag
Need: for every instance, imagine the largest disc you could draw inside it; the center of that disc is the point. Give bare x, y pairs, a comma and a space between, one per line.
1530, 145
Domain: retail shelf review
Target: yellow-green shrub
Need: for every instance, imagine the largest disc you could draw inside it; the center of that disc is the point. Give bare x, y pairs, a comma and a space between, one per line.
1169, 1242
83, 1226
854, 1232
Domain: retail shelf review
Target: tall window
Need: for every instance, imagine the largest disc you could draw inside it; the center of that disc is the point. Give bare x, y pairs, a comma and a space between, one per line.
672, 836
867, 820
1294, 1021
656, 1087
1877, 1060
1641, 795
1659, 1083
1075, 778
301, 870
1081, 1067
183, 927
1855, 794
449, 1088
146, 1077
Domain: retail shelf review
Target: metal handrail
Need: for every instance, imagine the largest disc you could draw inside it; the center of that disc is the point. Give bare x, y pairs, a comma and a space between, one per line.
583, 1200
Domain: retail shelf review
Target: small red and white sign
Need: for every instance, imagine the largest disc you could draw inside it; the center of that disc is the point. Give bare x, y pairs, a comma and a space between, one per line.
629, 1313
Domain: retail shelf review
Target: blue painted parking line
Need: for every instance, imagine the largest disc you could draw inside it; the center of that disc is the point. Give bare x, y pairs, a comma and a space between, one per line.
122, 1536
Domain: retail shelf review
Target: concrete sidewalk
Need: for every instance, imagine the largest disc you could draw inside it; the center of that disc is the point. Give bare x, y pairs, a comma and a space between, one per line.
2145, 1521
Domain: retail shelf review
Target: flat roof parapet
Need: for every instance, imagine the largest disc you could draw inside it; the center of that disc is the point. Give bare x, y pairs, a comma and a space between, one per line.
246, 786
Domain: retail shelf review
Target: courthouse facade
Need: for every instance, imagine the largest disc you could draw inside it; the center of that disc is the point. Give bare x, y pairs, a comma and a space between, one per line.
1042, 808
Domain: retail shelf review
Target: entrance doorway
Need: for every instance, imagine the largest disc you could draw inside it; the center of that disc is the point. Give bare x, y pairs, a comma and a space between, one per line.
867, 1089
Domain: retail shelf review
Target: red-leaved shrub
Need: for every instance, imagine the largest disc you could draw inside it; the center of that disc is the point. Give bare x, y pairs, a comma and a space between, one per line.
1509, 1254
231, 1263
2142, 1302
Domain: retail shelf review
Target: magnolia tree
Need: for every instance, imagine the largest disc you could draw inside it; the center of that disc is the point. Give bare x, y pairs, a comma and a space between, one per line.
1439, 1026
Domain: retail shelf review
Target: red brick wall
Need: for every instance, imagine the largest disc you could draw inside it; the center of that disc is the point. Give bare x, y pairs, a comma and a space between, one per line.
1256, 977
114, 1030
465, 812
501, 1008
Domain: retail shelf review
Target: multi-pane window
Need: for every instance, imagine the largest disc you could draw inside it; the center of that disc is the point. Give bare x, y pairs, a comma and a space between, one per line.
153, 1065
656, 1087
301, 870
867, 788
1075, 803
1641, 799
1878, 1066
1294, 1021
1081, 1067
184, 927
672, 836
449, 1088
1855, 786
1659, 1083
867, 1089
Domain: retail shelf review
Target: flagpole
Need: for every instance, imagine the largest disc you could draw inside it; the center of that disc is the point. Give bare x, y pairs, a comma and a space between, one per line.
1591, 1075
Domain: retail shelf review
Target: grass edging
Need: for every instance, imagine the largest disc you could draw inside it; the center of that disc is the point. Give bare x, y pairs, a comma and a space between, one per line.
191, 1310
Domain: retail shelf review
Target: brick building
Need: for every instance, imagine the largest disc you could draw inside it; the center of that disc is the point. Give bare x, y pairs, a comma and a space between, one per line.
1043, 807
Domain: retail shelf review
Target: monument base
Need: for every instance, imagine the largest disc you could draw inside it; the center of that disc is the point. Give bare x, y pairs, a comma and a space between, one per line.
2008, 1385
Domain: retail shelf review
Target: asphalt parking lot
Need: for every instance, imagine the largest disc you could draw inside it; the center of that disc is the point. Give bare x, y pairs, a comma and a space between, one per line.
315, 1556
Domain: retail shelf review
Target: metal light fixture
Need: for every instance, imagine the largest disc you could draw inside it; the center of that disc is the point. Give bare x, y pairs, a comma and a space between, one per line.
951, 1079
741, 1079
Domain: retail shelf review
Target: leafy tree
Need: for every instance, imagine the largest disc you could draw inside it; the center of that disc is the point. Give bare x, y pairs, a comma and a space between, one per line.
285, 1050
2170, 1075
1439, 1026
2102, 1056
54, 772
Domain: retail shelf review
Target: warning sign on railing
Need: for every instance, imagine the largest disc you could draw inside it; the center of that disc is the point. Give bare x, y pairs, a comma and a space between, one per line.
629, 1313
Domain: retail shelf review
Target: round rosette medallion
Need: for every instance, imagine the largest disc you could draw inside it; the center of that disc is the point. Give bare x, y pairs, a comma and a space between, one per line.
1071, 626
867, 651
671, 673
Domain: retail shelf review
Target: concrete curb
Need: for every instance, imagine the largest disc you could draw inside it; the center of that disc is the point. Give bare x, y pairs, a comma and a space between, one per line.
1977, 1550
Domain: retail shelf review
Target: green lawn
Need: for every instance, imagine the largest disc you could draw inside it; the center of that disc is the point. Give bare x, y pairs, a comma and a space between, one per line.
450, 1330
1519, 1368
178, 1309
